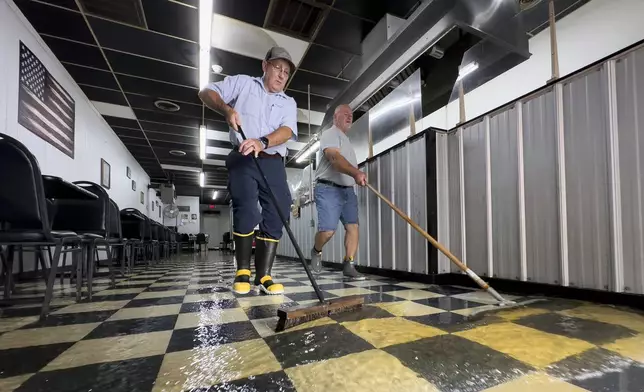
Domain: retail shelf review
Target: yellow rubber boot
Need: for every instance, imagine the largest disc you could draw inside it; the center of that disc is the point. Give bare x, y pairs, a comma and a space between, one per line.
267, 286
241, 284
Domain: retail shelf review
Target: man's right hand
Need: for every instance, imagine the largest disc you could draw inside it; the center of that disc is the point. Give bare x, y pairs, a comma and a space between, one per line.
361, 178
232, 118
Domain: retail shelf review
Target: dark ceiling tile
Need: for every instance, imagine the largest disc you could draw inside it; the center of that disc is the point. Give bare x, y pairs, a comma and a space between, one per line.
129, 39
76, 53
235, 64
320, 85
103, 95
166, 118
171, 18
249, 11
146, 102
163, 147
155, 89
317, 103
325, 60
152, 69
216, 125
71, 4
91, 76
218, 143
172, 129
56, 21
181, 140
191, 158
375, 10
128, 132
121, 122
138, 149
343, 32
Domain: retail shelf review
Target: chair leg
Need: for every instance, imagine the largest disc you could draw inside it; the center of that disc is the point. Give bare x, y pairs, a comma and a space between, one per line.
8, 272
62, 271
90, 269
21, 262
41, 260
80, 259
110, 265
122, 254
50, 282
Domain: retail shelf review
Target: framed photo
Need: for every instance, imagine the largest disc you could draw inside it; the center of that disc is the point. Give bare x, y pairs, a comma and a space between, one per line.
152, 206
184, 216
128, 172
105, 174
142, 197
133, 185
159, 211
193, 216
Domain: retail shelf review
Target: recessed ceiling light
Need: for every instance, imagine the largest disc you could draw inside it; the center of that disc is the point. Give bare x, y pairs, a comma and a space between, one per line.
222, 169
178, 153
166, 105
216, 68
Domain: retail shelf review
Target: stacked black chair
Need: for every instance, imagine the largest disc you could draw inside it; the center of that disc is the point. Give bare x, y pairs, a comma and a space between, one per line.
134, 230
185, 241
25, 216
154, 240
227, 242
202, 240
115, 234
90, 219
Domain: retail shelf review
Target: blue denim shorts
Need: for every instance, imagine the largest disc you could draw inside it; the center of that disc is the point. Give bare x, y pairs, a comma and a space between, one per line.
335, 204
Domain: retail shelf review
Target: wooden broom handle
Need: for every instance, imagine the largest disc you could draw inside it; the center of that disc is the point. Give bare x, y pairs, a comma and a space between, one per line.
413, 224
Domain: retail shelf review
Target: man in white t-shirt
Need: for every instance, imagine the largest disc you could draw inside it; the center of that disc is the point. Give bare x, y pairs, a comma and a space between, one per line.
336, 175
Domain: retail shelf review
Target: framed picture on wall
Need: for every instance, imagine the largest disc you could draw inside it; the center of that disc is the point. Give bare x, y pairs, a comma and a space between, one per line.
193, 216
133, 185
159, 212
128, 172
152, 206
184, 216
142, 197
105, 174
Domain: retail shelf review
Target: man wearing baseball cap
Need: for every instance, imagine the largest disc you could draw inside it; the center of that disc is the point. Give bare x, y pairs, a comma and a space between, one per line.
269, 119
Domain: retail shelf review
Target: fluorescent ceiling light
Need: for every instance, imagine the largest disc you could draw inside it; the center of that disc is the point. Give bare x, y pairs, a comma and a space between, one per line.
202, 142
180, 168
202, 179
467, 69
214, 195
314, 147
205, 34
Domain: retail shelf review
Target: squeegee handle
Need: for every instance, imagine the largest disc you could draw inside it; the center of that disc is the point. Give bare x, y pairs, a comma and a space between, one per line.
287, 227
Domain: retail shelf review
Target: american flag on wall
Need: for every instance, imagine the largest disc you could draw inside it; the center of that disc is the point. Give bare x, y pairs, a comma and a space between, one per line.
44, 107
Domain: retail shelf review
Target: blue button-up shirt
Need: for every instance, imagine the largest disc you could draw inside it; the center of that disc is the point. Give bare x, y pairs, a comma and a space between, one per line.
261, 112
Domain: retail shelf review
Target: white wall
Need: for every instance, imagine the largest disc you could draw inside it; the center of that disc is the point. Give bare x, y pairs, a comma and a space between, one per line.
189, 227
94, 139
216, 225
592, 32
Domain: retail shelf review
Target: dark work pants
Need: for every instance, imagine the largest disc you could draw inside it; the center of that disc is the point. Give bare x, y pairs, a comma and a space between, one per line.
247, 187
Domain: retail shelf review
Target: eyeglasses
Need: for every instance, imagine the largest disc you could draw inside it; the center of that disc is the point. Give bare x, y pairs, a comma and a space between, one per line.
281, 70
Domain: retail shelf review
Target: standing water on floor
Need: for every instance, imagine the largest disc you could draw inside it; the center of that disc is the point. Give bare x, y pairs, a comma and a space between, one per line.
176, 326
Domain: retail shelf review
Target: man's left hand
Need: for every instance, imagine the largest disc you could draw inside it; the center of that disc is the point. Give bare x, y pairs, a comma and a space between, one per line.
249, 146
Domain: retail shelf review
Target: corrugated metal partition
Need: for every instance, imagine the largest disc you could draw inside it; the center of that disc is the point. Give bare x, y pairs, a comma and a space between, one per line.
401, 240
504, 174
373, 206
629, 77
386, 214
474, 171
363, 216
417, 186
586, 145
455, 196
541, 198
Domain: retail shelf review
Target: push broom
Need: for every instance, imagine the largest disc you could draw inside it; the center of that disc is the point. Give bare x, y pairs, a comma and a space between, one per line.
297, 315
445, 251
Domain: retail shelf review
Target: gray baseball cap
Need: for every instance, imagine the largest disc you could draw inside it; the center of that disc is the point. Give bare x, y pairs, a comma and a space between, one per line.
277, 52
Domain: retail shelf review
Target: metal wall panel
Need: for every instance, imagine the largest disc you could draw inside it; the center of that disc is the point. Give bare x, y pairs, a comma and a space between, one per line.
541, 200
401, 199
418, 202
630, 119
374, 215
586, 146
363, 248
505, 194
386, 219
454, 190
475, 199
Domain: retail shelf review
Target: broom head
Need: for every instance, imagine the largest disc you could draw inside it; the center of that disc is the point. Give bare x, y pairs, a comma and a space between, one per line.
297, 315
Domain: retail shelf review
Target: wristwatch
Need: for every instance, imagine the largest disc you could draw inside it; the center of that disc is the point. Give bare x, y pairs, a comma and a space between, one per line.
264, 141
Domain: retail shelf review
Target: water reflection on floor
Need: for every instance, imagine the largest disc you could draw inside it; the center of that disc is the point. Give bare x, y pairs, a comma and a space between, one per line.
176, 326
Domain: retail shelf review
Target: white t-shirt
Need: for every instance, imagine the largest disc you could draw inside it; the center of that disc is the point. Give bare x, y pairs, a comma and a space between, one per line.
335, 138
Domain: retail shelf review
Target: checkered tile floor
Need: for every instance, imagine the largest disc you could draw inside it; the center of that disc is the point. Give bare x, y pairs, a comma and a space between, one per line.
176, 326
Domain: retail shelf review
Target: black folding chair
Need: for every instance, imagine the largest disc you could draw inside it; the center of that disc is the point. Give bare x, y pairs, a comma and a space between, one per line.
25, 216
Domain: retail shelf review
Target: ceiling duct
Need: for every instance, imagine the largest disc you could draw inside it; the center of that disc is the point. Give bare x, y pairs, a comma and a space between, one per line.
490, 32
295, 17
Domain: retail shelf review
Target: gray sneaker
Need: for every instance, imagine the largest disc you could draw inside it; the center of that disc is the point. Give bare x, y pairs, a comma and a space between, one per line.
350, 273
316, 261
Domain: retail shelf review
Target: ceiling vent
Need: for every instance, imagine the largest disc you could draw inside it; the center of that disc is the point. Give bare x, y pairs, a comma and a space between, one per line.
177, 153
166, 105
296, 18
124, 11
